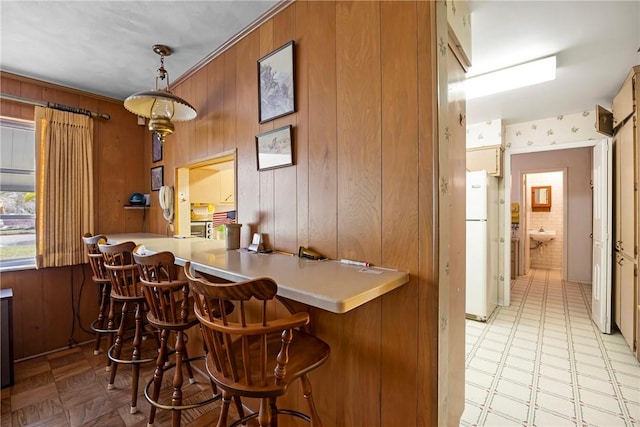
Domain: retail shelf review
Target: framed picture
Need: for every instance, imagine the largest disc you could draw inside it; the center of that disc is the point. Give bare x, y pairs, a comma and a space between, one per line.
157, 177
274, 149
275, 84
156, 147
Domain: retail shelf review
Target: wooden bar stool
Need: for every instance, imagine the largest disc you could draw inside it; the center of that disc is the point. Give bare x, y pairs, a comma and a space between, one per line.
100, 278
258, 359
126, 288
171, 311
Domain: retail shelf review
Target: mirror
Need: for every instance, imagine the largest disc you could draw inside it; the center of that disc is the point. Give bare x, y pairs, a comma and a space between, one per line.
541, 198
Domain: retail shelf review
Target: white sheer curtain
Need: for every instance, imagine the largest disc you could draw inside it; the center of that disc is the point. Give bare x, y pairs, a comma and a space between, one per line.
64, 186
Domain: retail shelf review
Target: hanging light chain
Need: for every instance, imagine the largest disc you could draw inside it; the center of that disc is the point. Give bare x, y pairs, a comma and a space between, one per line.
162, 73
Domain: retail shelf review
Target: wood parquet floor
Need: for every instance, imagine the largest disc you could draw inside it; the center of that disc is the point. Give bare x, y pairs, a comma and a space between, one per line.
69, 388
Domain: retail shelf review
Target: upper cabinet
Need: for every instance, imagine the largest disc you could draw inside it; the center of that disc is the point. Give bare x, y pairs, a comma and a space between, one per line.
212, 186
623, 102
485, 158
485, 147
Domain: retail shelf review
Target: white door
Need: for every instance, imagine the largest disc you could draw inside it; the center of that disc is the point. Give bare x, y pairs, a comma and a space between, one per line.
601, 276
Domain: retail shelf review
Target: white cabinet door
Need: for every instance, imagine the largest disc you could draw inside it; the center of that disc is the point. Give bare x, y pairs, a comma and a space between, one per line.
625, 297
623, 102
489, 159
626, 218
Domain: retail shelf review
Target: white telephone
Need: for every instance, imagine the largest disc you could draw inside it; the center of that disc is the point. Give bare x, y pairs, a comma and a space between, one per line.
165, 196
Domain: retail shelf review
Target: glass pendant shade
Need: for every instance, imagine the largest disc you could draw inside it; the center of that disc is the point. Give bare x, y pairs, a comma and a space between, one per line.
154, 104
161, 107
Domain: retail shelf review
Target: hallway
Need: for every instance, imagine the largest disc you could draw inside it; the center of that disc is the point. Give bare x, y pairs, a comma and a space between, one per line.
542, 362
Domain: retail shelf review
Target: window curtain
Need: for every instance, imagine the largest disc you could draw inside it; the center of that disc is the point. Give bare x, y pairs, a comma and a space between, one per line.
64, 186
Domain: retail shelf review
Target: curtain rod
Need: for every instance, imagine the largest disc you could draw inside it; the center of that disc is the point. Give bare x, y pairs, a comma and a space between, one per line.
54, 106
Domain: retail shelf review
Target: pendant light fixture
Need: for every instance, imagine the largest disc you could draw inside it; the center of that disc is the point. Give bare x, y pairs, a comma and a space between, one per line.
160, 106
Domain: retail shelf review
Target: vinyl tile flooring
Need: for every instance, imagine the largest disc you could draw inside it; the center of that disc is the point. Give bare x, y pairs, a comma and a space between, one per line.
542, 362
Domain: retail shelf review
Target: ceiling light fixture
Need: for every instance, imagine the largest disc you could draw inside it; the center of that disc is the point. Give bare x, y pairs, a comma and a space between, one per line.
160, 106
527, 74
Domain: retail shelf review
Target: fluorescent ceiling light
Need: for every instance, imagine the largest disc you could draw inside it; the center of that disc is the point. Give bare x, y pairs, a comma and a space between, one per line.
530, 73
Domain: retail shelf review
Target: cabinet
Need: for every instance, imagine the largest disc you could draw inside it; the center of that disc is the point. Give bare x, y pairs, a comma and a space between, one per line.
623, 103
625, 313
485, 158
626, 294
6, 337
625, 186
210, 186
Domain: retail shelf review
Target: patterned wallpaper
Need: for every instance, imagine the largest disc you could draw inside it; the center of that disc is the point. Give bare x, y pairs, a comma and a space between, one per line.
550, 131
556, 130
485, 134
459, 19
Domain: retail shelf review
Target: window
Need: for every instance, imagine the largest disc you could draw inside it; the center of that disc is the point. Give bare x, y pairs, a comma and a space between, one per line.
17, 194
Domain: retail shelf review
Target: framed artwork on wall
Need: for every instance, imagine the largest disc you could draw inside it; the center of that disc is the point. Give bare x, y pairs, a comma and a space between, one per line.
157, 177
156, 147
274, 149
275, 84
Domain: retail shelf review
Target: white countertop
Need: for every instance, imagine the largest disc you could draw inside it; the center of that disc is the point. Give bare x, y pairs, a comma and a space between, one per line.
328, 284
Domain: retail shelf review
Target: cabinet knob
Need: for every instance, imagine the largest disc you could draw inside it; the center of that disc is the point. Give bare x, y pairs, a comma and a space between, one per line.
462, 119
621, 261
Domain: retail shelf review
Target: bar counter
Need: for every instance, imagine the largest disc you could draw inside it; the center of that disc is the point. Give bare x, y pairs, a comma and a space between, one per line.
327, 284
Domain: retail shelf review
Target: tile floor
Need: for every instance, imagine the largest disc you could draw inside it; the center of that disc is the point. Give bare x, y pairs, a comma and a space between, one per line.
542, 362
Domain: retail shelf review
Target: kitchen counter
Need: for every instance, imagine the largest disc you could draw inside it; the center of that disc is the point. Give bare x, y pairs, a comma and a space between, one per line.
328, 284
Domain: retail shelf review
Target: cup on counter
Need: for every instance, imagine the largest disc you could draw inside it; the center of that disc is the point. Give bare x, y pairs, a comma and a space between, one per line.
233, 236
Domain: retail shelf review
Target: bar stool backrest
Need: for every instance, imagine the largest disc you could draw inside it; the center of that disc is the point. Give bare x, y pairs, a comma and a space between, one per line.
123, 272
167, 297
237, 347
96, 260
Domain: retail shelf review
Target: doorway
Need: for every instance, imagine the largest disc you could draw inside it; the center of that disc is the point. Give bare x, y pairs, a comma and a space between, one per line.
577, 158
543, 228
206, 196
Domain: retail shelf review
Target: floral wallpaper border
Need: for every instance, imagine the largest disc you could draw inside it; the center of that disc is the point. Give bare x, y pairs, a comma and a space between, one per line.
538, 133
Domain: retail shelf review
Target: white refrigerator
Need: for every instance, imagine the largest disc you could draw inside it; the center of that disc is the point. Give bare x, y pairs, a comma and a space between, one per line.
482, 245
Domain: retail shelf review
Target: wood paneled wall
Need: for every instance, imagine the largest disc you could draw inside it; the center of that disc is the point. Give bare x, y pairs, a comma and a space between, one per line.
45, 300
364, 186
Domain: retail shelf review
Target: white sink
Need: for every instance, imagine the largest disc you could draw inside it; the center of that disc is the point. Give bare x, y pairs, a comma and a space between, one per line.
542, 236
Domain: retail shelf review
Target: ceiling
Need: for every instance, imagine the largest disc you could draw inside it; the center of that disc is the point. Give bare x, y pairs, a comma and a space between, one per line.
104, 47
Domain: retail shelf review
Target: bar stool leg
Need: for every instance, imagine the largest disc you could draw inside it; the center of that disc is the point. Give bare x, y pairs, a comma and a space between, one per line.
135, 367
192, 380
117, 347
104, 297
176, 397
224, 411
111, 326
158, 374
306, 388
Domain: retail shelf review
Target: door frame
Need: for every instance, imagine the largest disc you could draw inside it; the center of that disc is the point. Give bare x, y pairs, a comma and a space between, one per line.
506, 273
526, 251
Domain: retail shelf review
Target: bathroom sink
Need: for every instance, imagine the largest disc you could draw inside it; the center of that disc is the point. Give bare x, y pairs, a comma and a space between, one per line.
542, 236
